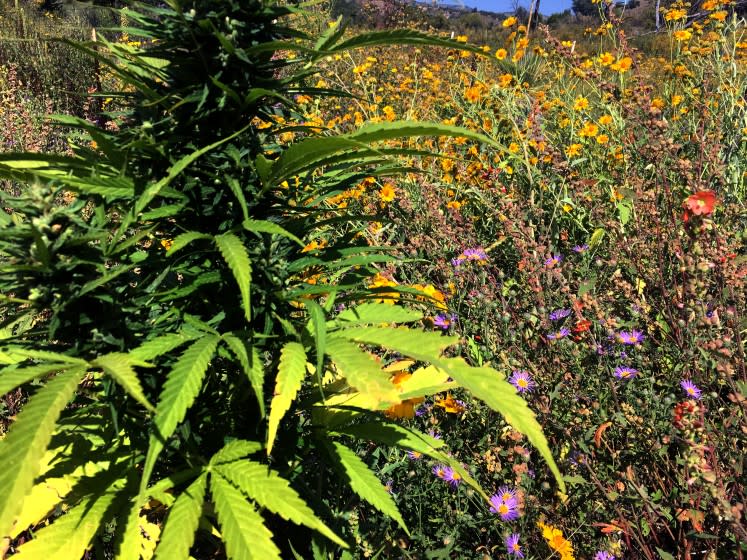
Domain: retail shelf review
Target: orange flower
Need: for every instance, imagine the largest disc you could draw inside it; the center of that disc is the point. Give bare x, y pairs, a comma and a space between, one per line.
701, 203
405, 409
451, 405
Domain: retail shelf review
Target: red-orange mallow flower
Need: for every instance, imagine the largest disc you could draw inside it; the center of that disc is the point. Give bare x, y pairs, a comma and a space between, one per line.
701, 203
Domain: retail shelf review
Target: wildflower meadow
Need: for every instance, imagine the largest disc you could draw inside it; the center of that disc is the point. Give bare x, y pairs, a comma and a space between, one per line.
364, 280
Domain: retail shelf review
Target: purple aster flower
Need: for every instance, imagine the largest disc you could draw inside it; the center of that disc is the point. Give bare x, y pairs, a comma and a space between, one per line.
553, 260
559, 314
581, 248
603, 555
476, 254
434, 434
506, 494
508, 510
630, 338
444, 321
690, 389
452, 477
512, 544
439, 471
522, 381
414, 455
423, 409
625, 372
457, 262
388, 486
562, 333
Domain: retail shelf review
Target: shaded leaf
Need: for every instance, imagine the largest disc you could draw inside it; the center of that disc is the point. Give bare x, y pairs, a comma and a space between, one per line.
24, 446
291, 372
243, 529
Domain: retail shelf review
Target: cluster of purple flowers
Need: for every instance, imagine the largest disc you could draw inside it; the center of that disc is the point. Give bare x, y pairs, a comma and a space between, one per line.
476, 254
603, 555
559, 314
505, 503
629, 338
447, 474
522, 381
444, 321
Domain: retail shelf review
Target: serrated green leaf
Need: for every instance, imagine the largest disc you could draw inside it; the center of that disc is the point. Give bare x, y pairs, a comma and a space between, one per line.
184, 239
291, 372
365, 483
119, 367
234, 450
318, 327
26, 442
362, 371
401, 129
237, 258
263, 226
425, 346
181, 388
129, 546
181, 524
244, 531
388, 433
12, 378
251, 363
44, 355
379, 313
70, 535
160, 345
271, 491
491, 387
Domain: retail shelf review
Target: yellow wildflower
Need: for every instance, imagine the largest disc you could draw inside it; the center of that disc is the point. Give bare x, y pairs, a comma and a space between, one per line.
501, 54
387, 193
573, 150
557, 541
580, 103
509, 21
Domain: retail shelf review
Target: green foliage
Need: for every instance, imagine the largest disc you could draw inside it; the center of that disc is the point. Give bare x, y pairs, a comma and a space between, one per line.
167, 266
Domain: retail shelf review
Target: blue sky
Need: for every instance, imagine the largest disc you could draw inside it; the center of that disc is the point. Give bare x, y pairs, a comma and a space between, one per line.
547, 7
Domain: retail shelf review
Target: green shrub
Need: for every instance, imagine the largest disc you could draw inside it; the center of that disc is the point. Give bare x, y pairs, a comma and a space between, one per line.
167, 319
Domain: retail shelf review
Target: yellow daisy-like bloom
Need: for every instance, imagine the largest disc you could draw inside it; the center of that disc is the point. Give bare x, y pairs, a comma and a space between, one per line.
573, 150
675, 14
605, 120
622, 65
580, 104
509, 22
557, 541
505, 80
589, 130
605, 59
387, 193
501, 54
473, 94
718, 16
683, 34
603, 139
